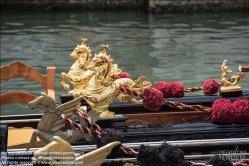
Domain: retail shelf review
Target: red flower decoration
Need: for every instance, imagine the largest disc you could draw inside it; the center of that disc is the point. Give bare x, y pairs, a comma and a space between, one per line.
164, 87
177, 89
124, 75
153, 99
241, 110
211, 87
223, 111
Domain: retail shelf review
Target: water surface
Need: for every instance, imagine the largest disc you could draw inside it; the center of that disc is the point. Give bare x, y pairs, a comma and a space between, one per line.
169, 47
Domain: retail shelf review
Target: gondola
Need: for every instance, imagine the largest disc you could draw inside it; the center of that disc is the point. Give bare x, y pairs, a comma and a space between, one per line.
177, 121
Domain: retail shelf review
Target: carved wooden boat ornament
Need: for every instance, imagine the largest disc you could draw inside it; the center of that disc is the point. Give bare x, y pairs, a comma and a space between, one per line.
103, 87
59, 152
54, 117
229, 85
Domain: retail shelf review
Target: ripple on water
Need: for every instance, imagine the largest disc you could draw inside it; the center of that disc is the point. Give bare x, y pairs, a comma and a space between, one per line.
14, 23
180, 25
72, 21
240, 28
10, 31
40, 27
227, 22
66, 26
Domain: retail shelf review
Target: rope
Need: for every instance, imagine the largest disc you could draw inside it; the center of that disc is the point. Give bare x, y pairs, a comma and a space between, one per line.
172, 104
128, 91
88, 119
84, 129
182, 106
96, 132
193, 89
129, 150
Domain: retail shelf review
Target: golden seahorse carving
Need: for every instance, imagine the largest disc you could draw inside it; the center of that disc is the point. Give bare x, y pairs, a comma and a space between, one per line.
101, 90
77, 75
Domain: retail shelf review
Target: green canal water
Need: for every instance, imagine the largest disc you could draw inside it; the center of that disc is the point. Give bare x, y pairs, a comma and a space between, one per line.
169, 47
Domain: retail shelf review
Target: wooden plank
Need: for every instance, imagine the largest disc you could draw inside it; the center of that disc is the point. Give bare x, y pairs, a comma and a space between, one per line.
167, 117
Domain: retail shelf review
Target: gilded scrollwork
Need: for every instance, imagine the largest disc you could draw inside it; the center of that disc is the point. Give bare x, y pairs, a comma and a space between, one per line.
230, 85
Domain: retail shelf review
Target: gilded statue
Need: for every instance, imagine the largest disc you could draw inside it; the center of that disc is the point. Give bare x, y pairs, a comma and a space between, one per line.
229, 85
102, 89
77, 75
97, 80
